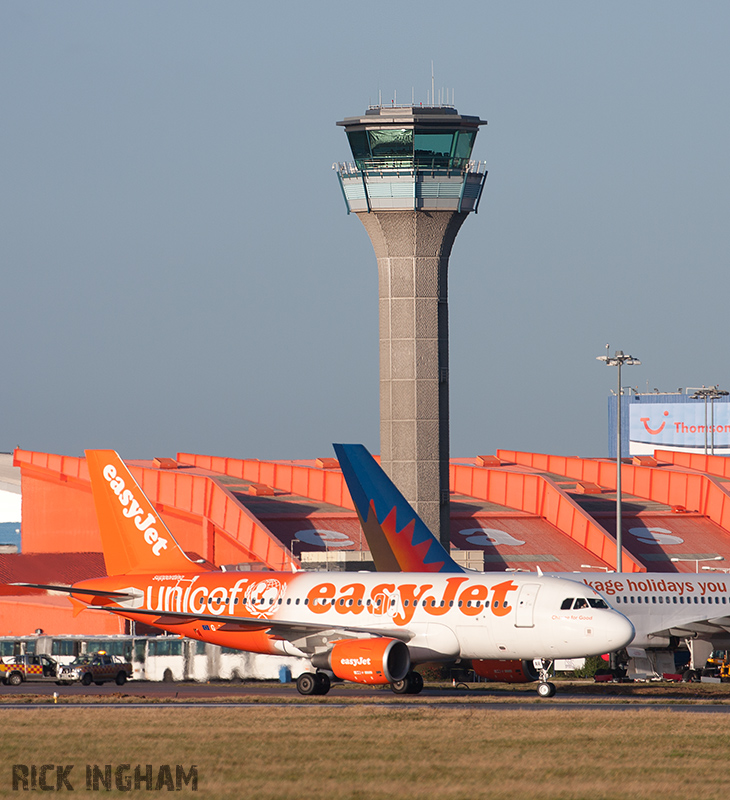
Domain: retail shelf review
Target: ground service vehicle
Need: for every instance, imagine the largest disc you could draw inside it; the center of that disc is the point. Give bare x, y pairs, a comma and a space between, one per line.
369, 629
19, 669
97, 668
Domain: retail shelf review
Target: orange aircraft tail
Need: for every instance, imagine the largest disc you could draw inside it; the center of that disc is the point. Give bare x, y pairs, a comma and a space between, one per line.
133, 536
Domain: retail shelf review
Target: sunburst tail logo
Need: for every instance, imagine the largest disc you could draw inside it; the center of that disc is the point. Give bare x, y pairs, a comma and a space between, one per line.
398, 538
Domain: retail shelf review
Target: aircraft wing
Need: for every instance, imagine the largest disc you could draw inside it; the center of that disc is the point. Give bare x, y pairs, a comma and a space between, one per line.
290, 630
716, 626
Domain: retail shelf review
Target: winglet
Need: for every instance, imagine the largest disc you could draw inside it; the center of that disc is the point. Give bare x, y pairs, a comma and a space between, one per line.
398, 538
133, 536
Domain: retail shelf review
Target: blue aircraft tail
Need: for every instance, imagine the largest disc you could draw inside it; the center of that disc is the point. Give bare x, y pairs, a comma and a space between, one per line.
398, 538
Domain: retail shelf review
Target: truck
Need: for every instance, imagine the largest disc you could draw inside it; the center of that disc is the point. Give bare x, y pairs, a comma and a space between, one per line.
97, 667
15, 670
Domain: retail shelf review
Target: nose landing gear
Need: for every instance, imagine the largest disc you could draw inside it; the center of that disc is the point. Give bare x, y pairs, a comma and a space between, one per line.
545, 688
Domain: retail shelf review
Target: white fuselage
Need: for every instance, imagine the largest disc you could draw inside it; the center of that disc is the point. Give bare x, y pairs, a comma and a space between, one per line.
439, 616
664, 605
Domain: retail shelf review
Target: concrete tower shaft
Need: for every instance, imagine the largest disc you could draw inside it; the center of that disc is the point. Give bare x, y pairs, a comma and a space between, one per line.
412, 185
412, 249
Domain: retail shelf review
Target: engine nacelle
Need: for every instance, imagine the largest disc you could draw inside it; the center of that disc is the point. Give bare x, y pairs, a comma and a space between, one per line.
505, 671
372, 661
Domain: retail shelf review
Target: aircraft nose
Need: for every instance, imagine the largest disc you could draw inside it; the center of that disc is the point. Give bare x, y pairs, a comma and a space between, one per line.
620, 631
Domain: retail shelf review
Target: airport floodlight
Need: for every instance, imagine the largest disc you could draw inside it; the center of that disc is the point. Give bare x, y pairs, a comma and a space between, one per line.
698, 560
618, 360
710, 393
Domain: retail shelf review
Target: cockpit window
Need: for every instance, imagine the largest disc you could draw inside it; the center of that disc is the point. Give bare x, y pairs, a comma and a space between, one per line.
580, 602
596, 602
567, 603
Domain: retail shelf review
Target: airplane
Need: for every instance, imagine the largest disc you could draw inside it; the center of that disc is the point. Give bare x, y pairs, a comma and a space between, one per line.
369, 628
664, 608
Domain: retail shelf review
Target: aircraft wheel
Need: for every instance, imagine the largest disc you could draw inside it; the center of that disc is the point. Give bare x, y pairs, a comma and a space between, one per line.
86, 679
322, 683
411, 684
306, 683
121, 678
546, 689
15, 679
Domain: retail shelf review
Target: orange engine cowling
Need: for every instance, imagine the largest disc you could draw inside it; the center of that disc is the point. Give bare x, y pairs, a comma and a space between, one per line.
505, 671
367, 660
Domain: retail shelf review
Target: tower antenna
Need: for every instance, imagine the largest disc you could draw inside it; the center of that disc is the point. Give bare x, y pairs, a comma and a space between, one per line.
433, 96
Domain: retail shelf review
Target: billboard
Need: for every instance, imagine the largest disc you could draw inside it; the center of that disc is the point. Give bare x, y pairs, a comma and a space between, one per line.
679, 426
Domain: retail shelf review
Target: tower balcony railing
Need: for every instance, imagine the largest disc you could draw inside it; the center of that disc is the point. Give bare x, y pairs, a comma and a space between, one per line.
411, 186
410, 166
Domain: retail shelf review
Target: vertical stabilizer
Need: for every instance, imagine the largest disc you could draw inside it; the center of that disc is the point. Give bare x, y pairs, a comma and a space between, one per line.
398, 539
133, 536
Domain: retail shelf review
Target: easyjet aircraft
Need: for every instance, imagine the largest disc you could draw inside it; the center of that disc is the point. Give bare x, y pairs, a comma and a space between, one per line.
663, 608
368, 628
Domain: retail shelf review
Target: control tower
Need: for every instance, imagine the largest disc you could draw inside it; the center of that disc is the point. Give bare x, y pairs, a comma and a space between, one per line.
412, 184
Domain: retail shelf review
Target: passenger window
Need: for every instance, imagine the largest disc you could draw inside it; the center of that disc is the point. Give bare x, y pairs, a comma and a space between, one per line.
566, 604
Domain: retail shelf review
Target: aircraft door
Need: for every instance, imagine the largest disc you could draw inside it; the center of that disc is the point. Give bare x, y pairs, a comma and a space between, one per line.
524, 614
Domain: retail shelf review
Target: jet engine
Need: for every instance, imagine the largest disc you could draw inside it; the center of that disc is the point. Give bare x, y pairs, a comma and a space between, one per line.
372, 661
505, 671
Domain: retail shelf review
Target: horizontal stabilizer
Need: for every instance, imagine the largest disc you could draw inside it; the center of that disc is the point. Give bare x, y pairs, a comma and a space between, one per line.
71, 590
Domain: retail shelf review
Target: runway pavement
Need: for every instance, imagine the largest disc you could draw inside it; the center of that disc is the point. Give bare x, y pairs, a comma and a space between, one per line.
680, 697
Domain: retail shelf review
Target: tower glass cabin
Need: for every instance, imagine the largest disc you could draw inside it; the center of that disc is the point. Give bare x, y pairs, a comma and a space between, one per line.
412, 184
411, 157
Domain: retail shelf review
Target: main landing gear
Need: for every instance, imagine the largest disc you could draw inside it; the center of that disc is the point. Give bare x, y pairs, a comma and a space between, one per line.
545, 688
313, 683
411, 684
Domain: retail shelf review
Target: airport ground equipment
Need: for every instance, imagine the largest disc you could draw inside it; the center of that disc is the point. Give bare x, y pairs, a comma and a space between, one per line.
99, 668
28, 668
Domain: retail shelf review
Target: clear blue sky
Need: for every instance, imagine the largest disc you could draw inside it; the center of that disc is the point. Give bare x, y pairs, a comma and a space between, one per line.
179, 272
